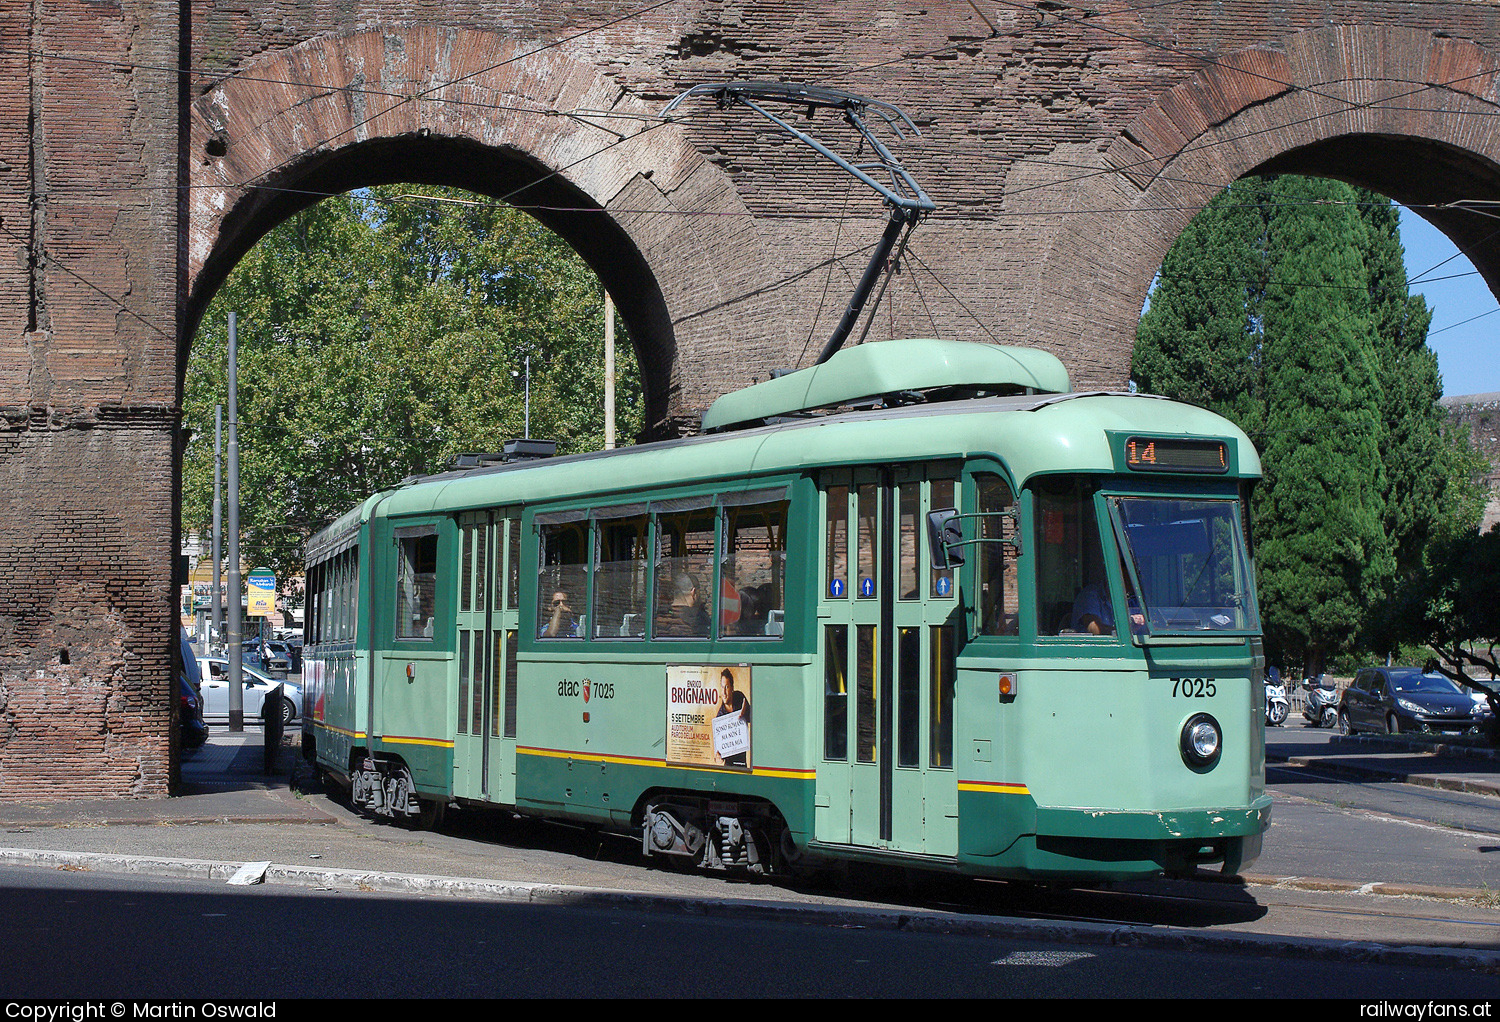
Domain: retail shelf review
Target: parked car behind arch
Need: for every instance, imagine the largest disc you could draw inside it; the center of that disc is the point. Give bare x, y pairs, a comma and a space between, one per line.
1393, 700
258, 685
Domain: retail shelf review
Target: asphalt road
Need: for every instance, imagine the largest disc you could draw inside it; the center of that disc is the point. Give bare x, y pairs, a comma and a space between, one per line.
76, 936
1339, 853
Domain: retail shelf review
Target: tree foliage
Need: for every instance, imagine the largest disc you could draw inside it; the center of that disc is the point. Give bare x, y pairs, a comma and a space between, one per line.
1448, 605
1284, 307
379, 335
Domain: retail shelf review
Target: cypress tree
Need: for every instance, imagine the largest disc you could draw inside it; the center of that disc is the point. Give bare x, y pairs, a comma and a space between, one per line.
1321, 517
1328, 371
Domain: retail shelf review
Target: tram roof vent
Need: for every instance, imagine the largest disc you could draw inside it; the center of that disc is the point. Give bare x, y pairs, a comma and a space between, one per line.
514, 450
892, 373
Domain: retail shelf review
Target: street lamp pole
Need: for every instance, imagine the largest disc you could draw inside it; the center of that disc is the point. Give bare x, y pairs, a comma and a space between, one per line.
216, 593
232, 603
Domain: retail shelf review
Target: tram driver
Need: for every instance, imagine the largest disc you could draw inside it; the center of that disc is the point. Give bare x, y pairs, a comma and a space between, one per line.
1094, 612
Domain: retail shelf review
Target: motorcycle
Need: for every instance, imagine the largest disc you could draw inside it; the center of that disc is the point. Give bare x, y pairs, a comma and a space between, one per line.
1321, 707
1277, 706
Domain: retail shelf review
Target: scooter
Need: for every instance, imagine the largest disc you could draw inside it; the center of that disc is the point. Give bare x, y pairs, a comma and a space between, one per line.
1321, 708
1277, 706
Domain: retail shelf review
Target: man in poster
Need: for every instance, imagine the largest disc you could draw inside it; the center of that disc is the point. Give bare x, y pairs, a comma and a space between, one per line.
732, 722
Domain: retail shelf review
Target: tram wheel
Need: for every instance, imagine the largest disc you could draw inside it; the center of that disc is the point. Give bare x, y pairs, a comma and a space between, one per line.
431, 815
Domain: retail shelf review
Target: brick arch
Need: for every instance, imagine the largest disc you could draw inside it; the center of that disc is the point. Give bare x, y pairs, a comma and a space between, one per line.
668, 234
1363, 104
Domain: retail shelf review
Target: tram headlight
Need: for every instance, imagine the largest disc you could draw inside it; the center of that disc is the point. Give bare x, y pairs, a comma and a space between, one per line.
1202, 741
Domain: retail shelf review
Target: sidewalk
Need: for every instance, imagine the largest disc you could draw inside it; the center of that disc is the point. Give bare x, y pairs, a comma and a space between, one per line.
222, 782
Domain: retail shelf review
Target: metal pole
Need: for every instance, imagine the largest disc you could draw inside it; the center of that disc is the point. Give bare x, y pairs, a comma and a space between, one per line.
216, 592
528, 395
609, 373
232, 603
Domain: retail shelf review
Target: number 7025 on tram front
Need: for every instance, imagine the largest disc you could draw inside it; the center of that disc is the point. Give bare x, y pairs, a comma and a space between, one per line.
918, 605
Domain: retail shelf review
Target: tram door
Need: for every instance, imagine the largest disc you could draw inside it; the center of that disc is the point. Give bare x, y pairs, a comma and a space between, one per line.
484, 741
888, 622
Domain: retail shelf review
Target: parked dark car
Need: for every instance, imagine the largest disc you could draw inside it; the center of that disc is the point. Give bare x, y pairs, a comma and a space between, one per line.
1397, 699
271, 656
192, 730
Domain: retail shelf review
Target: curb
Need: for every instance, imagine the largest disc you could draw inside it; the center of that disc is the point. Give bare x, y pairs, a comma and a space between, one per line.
1379, 888
915, 921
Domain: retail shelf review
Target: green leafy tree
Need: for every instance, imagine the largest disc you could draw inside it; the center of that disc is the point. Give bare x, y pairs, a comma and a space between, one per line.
381, 334
1448, 606
1284, 306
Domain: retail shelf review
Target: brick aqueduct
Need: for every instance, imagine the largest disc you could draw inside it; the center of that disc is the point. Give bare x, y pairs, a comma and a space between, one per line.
146, 144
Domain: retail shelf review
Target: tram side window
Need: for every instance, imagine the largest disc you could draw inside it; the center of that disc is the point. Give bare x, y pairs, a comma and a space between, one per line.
1071, 580
752, 593
328, 628
562, 585
620, 573
345, 594
684, 572
416, 584
836, 578
998, 589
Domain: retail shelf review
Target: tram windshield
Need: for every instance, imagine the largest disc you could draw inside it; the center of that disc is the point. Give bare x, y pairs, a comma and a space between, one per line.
1187, 563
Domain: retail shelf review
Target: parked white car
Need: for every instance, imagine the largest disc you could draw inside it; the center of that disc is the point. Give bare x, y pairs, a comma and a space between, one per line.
215, 689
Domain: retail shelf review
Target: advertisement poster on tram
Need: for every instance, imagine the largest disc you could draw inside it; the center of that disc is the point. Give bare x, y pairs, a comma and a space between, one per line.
708, 715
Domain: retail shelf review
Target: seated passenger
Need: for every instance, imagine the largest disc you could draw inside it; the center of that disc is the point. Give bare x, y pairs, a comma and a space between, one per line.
561, 624
686, 615
752, 612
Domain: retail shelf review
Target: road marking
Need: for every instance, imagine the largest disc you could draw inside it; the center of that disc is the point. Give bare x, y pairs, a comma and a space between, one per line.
1051, 959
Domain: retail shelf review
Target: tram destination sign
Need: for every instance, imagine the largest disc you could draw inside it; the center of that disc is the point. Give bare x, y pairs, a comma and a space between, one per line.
1175, 454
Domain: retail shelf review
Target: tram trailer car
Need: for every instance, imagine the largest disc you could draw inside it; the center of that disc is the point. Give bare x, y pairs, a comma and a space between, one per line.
918, 605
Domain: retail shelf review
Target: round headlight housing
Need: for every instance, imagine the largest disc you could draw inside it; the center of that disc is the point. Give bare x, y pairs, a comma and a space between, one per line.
1202, 741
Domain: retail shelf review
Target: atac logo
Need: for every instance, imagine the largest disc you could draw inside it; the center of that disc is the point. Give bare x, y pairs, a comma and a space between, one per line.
586, 687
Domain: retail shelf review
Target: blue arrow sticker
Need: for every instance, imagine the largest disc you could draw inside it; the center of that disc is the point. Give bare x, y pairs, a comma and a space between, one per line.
944, 585
867, 587
836, 588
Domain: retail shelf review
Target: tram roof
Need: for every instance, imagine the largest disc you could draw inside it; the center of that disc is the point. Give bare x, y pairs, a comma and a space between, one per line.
1032, 435
912, 367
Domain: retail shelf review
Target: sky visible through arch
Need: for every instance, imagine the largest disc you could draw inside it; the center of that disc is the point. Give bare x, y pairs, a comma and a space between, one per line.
1465, 331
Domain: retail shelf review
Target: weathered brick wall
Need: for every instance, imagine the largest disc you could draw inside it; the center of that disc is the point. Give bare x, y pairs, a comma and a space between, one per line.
1065, 150
89, 307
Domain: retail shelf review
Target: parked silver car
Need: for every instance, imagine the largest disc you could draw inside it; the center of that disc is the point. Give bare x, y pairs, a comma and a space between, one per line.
258, 684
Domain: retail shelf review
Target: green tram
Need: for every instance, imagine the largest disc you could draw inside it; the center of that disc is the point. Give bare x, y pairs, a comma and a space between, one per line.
919, 605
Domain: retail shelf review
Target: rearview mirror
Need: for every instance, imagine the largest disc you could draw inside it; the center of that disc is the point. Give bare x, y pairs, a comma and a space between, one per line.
945, 535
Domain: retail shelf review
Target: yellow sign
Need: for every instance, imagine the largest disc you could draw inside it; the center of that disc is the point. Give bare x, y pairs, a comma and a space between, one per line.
260, 593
